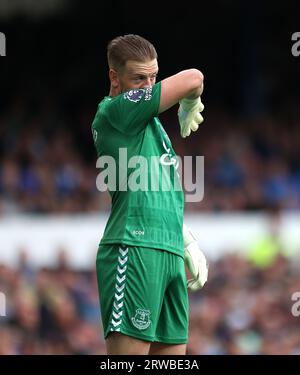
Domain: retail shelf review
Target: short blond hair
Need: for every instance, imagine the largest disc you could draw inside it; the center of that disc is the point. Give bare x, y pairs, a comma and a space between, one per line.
129, 47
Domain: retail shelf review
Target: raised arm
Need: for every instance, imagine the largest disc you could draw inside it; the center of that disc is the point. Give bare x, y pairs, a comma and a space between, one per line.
185, 84
184, 88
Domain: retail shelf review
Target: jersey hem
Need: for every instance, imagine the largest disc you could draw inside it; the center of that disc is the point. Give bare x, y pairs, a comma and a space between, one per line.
142, 244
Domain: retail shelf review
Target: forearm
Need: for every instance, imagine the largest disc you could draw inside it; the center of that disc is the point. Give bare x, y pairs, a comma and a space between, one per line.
185, 84
196, 92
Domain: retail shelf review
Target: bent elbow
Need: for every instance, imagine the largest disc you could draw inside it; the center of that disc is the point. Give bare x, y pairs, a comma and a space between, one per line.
197, 79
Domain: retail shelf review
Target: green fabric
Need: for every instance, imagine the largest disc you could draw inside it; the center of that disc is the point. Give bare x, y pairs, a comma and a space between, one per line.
143, 293
126, 126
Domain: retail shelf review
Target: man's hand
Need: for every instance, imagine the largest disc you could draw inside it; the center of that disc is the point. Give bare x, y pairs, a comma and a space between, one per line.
189, 115
194, 260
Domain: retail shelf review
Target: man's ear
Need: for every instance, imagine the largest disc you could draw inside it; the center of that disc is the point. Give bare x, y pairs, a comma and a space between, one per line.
114, 79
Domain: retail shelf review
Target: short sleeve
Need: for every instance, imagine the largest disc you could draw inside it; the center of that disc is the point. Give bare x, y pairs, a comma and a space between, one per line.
131, 111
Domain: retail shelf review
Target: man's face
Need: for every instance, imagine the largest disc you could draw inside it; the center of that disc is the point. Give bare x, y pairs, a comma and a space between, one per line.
136, 75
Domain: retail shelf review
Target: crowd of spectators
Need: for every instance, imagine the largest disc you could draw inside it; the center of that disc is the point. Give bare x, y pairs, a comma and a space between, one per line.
48, 161
243, 309
49, 85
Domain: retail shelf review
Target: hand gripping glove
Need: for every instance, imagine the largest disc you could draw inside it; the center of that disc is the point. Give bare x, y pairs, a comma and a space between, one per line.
194, 260
189, 115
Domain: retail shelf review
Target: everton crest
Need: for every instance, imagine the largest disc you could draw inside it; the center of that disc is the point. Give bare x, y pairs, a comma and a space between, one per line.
141, 320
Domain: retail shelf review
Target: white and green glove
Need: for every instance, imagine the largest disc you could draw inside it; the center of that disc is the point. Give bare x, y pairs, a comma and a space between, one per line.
189, 115
194, 260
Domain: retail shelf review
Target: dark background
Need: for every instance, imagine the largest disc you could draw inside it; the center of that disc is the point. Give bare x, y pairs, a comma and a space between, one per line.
55, 74
51, 81
243, 48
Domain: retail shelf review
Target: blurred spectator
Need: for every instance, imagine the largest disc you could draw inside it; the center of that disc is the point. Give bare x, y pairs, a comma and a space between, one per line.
265, 249
243, 309
47, 168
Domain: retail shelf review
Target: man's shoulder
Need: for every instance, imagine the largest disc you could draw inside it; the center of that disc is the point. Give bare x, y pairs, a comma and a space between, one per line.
102, 106
105, 101
99, 111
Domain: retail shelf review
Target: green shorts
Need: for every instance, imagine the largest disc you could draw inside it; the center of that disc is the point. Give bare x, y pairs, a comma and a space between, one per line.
143, 293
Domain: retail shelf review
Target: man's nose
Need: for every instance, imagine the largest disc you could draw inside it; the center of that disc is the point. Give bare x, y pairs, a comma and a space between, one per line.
147, 82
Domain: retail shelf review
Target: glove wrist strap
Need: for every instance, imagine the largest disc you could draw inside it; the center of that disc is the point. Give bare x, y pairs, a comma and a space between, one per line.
188, 104
188, 236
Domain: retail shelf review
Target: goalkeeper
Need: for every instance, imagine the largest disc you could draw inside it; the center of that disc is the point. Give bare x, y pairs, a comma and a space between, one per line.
145, 246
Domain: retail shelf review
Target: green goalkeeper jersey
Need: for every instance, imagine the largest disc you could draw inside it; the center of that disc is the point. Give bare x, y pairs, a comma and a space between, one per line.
141, 172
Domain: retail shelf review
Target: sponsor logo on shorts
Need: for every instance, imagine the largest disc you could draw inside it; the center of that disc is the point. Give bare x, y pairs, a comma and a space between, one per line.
141, 320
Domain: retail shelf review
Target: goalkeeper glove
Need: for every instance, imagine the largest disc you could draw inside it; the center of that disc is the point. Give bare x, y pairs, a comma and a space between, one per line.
189, 116
194, 260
